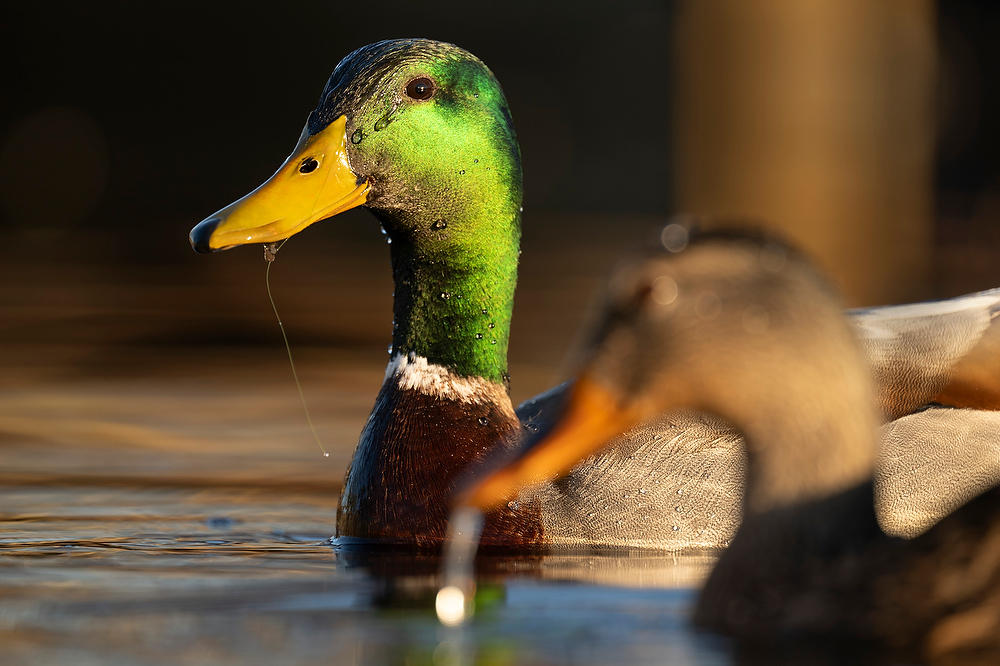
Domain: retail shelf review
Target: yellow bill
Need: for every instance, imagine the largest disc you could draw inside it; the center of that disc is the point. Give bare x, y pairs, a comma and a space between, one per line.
592, 417
314, 183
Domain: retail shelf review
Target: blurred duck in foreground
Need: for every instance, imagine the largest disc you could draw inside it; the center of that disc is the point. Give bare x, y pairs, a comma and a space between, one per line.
419, 132
776, 358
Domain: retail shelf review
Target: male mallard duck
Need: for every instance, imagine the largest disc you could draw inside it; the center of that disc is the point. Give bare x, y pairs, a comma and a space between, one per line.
809, 560
419, 132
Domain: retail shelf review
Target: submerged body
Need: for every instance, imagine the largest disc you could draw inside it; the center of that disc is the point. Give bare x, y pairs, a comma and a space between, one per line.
419, 132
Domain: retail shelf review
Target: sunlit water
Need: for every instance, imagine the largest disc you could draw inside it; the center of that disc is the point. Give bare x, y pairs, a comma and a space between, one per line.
121, 575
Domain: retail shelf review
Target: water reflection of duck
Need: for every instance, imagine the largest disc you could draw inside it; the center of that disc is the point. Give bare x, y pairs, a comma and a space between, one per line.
419, 132
809, 559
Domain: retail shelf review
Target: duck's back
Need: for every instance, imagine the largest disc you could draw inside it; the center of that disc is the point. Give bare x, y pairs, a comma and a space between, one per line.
673, 483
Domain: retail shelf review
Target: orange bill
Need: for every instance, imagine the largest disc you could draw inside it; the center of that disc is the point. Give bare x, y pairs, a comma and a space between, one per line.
591, 418
314, 183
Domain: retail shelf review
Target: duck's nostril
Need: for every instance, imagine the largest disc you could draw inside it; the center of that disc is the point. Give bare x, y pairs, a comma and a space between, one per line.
202, 233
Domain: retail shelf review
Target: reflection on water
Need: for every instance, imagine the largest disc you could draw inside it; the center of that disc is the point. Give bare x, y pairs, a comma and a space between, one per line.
120, 574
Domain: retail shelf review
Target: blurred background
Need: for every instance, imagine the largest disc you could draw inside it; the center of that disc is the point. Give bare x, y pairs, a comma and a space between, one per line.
867, 132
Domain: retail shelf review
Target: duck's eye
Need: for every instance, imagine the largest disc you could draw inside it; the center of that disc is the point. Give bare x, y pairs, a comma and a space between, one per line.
308, 165
420, 88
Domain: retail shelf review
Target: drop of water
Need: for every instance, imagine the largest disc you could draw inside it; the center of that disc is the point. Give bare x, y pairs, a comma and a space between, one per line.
454, 601
450, 605
493, 342
479, 336
642, 491
675, 528
357, 136
326, 454
445, 295
483, 421
665, 290
476, 95
491, 325
389, 349
674, 237
462, 172
437, 225
382, 229
521, 209
475, 161
483, 310
680, 491
678, 509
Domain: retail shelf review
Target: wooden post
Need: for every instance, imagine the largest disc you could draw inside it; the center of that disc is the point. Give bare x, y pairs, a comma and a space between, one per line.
815, 116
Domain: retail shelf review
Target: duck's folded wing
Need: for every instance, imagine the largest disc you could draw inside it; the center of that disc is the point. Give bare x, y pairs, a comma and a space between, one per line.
932, 462
942, 351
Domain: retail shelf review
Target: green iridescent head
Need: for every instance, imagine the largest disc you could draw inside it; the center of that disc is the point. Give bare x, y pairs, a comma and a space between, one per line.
428, 127
419, 132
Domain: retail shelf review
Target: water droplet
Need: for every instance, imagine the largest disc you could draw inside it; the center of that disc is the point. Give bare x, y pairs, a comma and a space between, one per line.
656, 438
491, 325
437, 225
461, 172
625, 495
445, 295
506, 378
642, 491
388, 240
678, 509
483, 421
326, 454
664, 290
389, 349
675, 528
358, 136
493, 342
483, 310
520, 209
591, 514
680, 491
674, 237
383, 122
382, 229
476, 95
479, 336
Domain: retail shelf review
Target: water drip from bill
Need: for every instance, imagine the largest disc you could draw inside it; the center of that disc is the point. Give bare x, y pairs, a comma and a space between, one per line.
455, 601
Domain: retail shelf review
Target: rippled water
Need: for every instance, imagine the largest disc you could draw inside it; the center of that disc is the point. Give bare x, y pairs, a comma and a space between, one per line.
124, 574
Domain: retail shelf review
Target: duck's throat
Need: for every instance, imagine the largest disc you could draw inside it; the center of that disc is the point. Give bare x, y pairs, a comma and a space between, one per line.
454, 291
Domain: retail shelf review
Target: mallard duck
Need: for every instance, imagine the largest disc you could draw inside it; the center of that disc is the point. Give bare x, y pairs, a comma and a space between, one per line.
810, 560
419, 132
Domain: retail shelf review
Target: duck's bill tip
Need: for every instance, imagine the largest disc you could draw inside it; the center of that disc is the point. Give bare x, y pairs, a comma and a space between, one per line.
314, 183
592, 417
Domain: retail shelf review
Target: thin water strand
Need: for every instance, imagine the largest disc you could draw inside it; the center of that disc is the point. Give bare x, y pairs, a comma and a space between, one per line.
455, 601
270, 253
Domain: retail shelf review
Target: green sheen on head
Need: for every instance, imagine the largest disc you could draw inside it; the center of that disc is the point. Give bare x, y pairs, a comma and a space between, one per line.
419, 132
430, 130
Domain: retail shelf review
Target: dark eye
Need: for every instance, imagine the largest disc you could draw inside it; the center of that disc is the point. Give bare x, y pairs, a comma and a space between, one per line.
420, 88
308, 165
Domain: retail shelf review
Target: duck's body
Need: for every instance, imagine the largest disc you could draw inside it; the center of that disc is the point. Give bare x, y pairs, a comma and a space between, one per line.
809, 562
419, 132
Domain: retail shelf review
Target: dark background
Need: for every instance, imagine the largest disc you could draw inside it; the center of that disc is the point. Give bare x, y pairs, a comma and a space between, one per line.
123, 124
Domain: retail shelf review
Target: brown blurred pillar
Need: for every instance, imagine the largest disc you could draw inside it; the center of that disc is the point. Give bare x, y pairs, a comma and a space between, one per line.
817, 117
